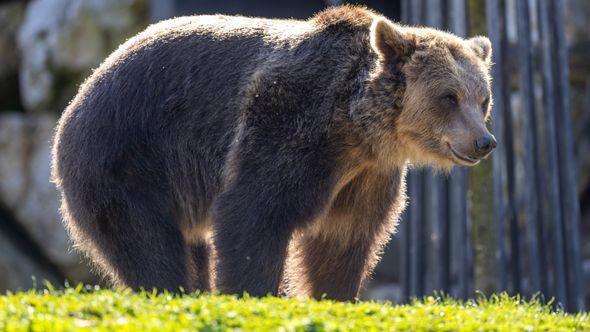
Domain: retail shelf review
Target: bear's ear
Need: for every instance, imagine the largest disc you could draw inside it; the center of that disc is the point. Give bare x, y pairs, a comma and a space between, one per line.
389, 41
482, 47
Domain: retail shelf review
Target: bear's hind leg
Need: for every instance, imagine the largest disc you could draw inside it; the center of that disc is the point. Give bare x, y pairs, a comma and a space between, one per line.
138, 269
150, 255
133, 242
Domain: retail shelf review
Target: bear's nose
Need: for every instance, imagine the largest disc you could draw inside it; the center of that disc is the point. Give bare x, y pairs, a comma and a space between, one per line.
485, 144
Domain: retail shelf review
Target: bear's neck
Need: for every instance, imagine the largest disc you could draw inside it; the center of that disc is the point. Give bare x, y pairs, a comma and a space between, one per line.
373, 114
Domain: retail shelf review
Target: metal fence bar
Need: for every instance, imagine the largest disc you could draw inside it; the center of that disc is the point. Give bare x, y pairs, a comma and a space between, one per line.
434, 13
532, 217
495, 28
567, 165
433, 207
513, 253
552, 179
457, 17
405, 251
416, 235
437, 239
414, 12
161, 9
444, 255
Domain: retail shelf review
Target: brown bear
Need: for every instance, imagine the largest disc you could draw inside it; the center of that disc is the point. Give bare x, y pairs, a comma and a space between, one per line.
257, 155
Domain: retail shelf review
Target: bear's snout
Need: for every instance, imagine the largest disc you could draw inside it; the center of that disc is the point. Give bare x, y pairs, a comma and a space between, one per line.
484, 145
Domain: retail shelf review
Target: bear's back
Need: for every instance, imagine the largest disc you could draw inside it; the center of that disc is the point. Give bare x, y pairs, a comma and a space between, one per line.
173, 93
178, 67
157, 84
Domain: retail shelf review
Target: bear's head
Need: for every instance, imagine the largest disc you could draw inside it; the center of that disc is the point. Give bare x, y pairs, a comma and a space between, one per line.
441, 113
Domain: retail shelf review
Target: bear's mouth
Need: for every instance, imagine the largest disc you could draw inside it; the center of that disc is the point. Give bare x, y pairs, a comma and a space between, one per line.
462, 159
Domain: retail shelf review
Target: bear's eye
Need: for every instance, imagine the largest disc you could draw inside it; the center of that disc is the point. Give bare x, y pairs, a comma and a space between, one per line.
451, 99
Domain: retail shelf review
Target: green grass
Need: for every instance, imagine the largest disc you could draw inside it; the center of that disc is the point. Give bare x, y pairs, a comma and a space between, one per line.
79, 309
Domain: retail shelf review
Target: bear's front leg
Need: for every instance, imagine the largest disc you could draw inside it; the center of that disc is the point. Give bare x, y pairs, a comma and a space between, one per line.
334, 255
250, 257
268, 197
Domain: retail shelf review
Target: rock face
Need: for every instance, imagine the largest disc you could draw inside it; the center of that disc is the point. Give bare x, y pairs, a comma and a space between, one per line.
47, 47
18, 271
61, 40
11, 16
25, 189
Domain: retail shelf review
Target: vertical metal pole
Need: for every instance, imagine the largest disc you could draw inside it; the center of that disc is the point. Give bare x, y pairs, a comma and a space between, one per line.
415, 11
435, 218
417, 238
552, 180
444, 256
405, 258
457, 17
434, 13
532, 216
567, 163
514, 261
405, 9
161, 9
495, 26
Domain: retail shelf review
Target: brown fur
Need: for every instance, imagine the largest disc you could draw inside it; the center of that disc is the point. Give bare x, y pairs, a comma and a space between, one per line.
347, 15
335, 254
209, 150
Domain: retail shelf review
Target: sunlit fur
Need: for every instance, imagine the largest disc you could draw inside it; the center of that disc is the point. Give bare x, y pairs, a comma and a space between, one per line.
435, 63
257, 155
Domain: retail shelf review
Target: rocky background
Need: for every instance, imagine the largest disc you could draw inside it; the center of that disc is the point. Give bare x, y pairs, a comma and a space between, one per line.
47, 48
